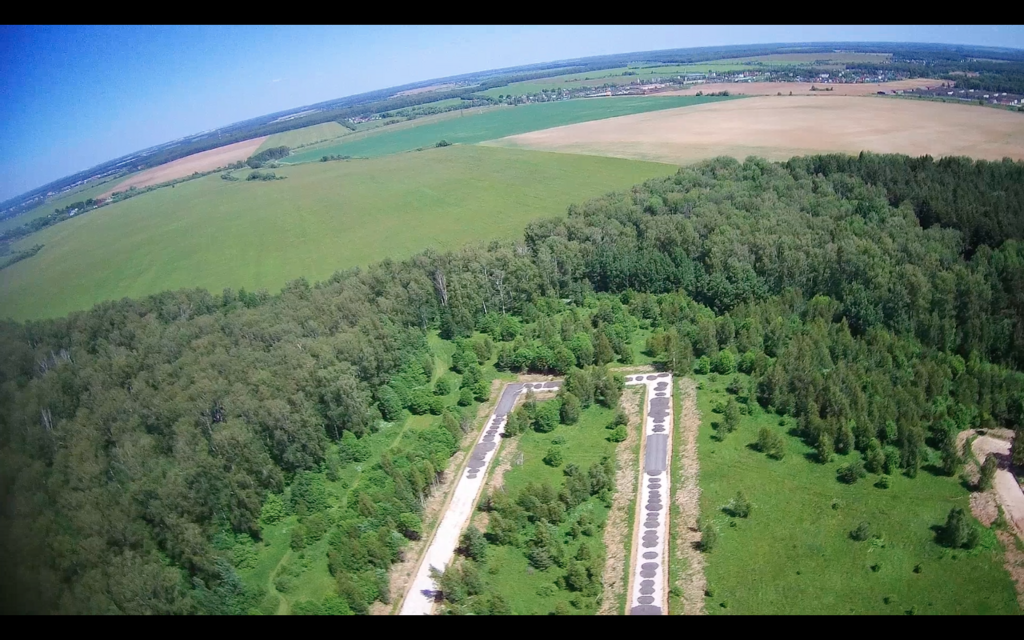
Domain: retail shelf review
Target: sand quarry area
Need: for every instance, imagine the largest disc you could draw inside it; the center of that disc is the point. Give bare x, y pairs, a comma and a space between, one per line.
778, 128
204, 161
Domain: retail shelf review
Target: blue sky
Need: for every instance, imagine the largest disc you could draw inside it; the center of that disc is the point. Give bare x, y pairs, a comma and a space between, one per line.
74, 97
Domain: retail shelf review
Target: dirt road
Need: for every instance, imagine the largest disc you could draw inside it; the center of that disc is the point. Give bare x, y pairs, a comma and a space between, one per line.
423, 593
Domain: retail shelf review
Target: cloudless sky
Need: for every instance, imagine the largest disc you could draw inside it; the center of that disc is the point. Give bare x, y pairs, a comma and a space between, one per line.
74, 97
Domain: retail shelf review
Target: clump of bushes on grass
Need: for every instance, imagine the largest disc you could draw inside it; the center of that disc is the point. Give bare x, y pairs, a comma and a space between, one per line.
959, 532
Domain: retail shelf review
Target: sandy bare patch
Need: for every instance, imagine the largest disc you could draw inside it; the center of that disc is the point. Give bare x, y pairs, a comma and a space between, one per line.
802, 88
1005, 486
617, 527
778, 128
205, 161
687, 499
1014, 563
984, 507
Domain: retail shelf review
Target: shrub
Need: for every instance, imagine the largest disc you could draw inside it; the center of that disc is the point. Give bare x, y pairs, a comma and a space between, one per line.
465, 397
739, 506
553, 457
770, 443
959, 532
884, 482
570, 409
862, 532
708, 537
442, 387
988, 473
546, 417
298, 539
618, 434
850, 473
473, 545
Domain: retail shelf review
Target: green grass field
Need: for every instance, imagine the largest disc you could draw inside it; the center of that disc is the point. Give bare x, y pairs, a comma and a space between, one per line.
496, 123
324, 217
793, 555
507, 570
82, 193
305, 136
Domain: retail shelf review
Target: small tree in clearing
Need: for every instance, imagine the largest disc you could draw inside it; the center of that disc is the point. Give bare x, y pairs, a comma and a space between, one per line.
988, 473
770, 443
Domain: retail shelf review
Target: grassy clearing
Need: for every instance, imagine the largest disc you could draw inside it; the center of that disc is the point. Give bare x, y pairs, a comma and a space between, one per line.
793, 555
507, 570
325, 216
305, 136
496, 123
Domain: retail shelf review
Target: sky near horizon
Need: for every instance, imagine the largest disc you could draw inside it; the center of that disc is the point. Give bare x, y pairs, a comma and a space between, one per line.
77, 96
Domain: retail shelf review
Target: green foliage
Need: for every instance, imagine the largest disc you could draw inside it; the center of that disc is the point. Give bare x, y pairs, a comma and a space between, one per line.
739, 507
298, 538
465, 397
554, 457
862, 532
546, 417
1017, 450
770, 443
850, 473
708, 536
703, 365
960, 530
824, 448
309, 493
618, 434
988, 473
473, 545
442, 387
410, 525
569, 410
352, 448
273, 509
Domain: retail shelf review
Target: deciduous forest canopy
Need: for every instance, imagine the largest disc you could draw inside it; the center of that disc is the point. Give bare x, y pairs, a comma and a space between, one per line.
880, 295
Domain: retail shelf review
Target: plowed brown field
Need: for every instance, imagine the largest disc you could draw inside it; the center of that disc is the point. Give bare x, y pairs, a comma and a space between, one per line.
204, 161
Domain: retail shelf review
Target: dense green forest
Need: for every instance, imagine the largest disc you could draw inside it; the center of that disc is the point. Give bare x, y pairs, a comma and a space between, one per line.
877, 299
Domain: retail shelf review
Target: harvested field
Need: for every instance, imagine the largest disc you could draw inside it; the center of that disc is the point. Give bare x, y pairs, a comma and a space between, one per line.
205, 161
778, 128
804, 88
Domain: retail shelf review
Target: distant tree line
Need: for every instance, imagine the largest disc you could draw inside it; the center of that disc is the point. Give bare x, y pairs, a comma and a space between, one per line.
16, 256
258, 160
